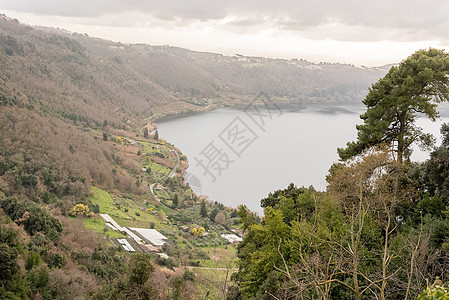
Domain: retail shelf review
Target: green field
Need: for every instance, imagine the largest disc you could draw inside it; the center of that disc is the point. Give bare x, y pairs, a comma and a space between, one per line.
124, 211
157, 168
150, 148
158, 147
97, 224
212, 281
221, 257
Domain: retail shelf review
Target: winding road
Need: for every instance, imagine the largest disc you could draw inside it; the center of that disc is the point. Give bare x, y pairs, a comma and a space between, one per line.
173, 171
154, 194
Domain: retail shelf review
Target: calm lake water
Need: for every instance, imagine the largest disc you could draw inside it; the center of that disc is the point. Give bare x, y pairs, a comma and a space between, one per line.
238, 158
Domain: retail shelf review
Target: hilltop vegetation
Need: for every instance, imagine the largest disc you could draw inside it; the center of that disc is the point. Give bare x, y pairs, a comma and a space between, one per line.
236, 79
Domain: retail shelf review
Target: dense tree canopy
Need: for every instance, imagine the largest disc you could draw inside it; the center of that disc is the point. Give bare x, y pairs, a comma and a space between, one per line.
395, 101
31, 216
379, 232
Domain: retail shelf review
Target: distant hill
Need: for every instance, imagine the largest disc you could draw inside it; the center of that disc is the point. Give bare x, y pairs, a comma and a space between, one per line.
91, 80
57, 75
189, 74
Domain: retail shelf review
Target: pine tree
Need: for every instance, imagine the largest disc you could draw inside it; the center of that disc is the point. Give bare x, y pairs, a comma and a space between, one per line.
176, 200
203, 209
413, 88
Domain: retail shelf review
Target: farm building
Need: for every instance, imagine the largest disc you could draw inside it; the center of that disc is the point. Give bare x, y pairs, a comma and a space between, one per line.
232, 238
151, 236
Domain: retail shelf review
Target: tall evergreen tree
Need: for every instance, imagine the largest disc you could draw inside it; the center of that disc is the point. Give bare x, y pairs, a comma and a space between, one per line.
394, 102
176, 200
203, 211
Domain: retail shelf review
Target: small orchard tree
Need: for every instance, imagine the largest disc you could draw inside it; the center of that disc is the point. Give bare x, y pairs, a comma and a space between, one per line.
220, 218
162, 215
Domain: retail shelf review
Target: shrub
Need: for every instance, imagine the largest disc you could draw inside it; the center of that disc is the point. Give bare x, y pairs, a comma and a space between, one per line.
80, 209
96, 208
436, 291
213, 214
55, 260
188, 275
140, 269
29, 214
33, 259
194, 263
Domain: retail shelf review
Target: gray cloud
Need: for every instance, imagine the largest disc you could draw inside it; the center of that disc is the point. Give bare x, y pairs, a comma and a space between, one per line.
361, 20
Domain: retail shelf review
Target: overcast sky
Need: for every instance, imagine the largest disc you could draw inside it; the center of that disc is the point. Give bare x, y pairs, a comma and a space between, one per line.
366, 32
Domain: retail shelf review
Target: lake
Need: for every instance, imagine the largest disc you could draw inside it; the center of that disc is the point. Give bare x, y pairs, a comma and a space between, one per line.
238, 157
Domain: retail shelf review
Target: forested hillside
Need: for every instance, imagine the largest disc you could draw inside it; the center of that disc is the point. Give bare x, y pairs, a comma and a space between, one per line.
198, 75
90, 80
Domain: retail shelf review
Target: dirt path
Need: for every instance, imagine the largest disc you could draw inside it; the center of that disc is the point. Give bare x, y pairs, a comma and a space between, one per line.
210, 268
154, 194
173, 171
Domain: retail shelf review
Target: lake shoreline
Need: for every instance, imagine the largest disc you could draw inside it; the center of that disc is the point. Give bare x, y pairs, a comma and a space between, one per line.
290, 106
189, 133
